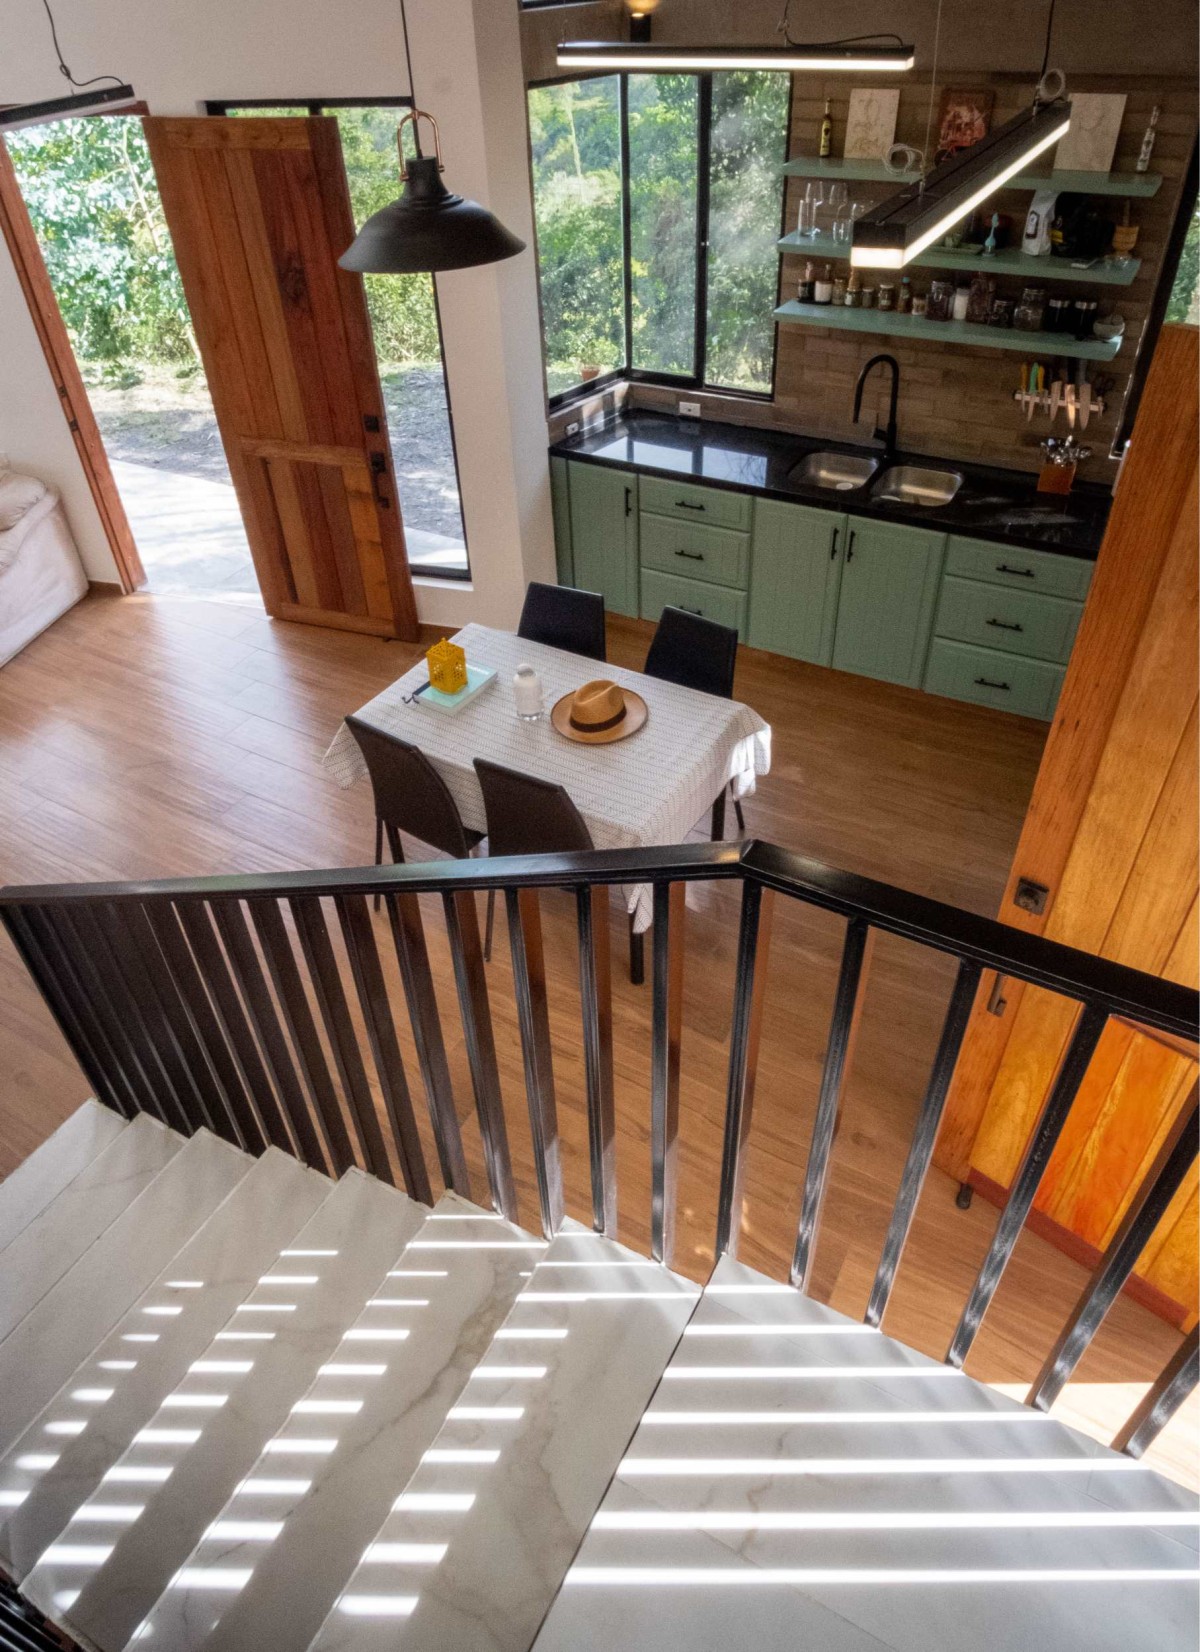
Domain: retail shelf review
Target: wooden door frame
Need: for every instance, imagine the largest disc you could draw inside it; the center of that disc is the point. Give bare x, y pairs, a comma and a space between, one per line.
26, 252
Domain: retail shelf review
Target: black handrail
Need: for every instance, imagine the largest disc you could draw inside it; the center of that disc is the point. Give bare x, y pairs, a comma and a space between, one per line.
225, 1003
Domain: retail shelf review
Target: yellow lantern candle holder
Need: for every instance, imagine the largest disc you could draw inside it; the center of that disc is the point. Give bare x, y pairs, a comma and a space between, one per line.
447, 664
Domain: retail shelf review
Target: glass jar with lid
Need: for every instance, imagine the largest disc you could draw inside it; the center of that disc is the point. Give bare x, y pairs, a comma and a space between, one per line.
1030, 312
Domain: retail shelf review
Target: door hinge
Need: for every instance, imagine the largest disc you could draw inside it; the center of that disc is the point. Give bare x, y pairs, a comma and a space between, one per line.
371, 423
378, 472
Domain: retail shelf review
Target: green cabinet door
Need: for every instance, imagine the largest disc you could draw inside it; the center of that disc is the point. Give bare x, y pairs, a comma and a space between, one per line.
604, 534
885, 606
560, 500
795, 572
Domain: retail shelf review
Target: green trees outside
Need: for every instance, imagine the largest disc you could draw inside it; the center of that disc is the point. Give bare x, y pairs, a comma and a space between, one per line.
1184, 303
576, 146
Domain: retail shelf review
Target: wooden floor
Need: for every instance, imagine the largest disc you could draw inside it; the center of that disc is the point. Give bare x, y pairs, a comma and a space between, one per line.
160, 735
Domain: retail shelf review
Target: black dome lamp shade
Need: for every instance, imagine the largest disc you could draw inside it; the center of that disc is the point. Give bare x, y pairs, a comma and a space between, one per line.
428, 228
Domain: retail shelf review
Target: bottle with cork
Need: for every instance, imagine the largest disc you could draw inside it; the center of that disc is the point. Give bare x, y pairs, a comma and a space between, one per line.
825, 148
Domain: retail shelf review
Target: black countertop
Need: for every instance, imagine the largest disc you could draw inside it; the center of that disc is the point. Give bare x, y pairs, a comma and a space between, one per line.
995, 504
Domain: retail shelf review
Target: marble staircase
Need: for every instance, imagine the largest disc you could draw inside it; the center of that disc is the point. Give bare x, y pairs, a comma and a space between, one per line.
245, 1406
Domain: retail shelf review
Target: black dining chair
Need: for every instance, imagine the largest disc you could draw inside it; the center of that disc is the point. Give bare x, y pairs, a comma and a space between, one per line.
697, 653
412, 797
562, 617
528, 816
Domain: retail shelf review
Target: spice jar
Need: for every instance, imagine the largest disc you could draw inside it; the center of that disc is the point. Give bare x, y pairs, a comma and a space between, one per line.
962, 302
1084, 317
920, 303
887, 295
839, 290
1057, 315
941, 300
823, 287
1030, 312
979, 299
1001, 313
868, 297
854, 290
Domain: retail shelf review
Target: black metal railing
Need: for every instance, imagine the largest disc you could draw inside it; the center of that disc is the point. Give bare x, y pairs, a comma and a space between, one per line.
259, 1007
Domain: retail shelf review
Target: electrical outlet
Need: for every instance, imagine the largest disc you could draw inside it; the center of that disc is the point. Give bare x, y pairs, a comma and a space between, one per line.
689, 410
573, 428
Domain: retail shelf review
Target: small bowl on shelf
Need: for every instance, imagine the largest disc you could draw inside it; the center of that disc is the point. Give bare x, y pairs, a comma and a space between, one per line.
1109, 327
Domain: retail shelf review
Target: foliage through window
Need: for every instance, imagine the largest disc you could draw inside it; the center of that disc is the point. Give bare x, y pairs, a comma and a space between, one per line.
1184, 302
658, 202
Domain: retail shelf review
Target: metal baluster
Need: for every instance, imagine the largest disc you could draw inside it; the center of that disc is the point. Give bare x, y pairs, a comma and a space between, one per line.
1167, 1174
326, 978
466, 950
408, 937
81, 933
245, 1128
260, 1008
1028, 1178
595, 998
843, 1026
1176, 1381
276, 946
529, 982
369, 983
73, 1011
667, 1024
196, 922
749, 987
920, 1149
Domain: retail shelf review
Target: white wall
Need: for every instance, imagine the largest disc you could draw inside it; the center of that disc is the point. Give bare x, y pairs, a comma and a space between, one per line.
175, 53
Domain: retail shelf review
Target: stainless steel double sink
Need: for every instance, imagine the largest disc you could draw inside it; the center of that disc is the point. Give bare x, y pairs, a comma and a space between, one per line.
898, 485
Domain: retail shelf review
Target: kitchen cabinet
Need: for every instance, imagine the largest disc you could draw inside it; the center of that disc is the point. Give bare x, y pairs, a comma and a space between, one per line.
604, 534
797, 573
560, 504
885, 606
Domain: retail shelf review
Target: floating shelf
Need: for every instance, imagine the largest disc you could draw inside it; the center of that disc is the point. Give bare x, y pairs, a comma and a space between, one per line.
1082, 183
945, 332
1000, 263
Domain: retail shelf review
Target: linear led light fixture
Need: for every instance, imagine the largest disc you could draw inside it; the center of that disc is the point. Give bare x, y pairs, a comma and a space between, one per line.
893, 233
640, 58
15, 115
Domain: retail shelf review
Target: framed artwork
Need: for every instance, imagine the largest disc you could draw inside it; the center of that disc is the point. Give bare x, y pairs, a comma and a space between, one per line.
1091, 142
964, 118
871, 126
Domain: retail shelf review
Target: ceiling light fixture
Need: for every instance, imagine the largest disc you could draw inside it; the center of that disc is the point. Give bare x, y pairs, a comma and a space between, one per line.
428, 228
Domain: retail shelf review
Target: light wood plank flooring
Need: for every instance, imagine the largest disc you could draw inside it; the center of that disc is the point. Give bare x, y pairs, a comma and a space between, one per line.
160, 735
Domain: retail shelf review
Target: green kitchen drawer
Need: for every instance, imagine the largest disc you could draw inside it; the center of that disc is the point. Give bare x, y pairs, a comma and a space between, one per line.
692, 504
1019, 622
712, 602
1028, 687
692, 550
1056, 576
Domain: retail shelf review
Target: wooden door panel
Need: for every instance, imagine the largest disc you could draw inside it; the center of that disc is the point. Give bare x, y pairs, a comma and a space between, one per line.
260, 212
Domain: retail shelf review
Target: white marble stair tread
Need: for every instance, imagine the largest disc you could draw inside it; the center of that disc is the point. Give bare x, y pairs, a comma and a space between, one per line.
373, 1409
65, 1326
41, 1177
39, 1256
478, 1541
120, 1386
104, 1572
800, 1481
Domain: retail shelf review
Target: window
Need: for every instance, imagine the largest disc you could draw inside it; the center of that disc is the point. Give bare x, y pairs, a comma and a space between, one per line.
408, 340
658, 202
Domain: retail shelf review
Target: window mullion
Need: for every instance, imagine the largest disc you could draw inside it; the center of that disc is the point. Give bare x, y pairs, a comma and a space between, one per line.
703, 196
626, 222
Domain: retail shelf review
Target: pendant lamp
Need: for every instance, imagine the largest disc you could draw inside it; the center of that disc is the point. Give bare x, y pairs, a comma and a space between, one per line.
642, 57
428, 228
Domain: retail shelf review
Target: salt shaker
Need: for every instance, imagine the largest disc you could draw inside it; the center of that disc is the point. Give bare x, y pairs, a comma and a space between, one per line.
527, 694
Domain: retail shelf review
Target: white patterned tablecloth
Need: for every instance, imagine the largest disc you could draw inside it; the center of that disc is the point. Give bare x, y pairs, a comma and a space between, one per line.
649, 789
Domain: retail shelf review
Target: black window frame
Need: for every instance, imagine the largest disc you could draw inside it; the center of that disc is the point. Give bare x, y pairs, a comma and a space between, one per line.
320, 106
627, 373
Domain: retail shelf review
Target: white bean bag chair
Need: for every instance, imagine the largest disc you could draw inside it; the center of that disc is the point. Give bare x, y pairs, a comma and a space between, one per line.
41, 575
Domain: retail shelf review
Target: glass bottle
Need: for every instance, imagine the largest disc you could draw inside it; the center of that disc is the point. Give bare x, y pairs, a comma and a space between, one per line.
807, 284
904, 296
823, 287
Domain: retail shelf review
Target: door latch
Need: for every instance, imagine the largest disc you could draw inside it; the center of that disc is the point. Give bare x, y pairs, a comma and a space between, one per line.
1031, 897
378, 472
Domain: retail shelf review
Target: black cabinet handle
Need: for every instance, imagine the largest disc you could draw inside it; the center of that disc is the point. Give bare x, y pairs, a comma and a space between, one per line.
1004, 625
629, 501
1025, 573
986, 682
833, 545
378, 476
682, 505
850, 546
692, 556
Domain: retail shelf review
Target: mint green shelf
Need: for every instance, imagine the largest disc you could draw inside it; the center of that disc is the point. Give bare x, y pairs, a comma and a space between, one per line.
1133, 184
945, 332
1000, 263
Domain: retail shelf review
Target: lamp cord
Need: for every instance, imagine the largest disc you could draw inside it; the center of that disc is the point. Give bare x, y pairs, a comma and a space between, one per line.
937, 40
846, 40
416, 125
62, 65
1049, 33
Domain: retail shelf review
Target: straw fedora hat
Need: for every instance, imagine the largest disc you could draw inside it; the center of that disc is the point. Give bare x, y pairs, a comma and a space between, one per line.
599, 713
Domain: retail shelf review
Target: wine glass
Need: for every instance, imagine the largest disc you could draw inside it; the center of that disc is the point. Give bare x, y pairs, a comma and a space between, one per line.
814, 195
836, 201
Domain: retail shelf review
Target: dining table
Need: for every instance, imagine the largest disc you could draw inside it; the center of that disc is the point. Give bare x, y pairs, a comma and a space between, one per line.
649, 789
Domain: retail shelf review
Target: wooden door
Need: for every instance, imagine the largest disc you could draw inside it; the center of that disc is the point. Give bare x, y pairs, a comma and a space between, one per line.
604, 534
797, 571
1112, 835
885, 607
259, 213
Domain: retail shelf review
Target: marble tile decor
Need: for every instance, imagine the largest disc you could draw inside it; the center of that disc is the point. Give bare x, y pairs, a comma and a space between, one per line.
56, 1163
796, 1483
99, 1589
213, 1272
477, 1543
380, 1399
39, 1256
78, 1312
